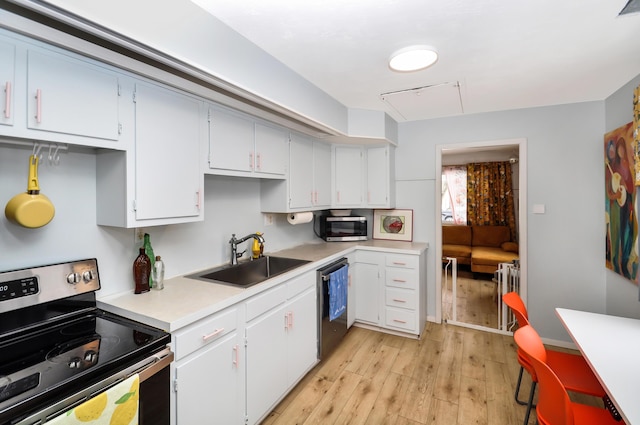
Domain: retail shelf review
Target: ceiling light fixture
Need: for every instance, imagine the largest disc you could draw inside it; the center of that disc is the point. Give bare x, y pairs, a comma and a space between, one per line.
413, 58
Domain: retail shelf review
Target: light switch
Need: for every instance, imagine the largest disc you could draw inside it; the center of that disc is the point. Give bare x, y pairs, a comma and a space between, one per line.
538, 209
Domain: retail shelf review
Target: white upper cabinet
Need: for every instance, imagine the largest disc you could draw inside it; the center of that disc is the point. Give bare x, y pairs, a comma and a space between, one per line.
271, 151
310, 177
231, 142
308, 184
380, 180
7, 82
168, 134
52, 95
72, 97
301, 172
322, 175
241, 146
160, 181
363, 176
348, 176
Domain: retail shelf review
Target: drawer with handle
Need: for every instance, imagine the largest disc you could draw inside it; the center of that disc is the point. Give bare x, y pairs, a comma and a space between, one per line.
401, 278
401, 319
402, 298
403, 261
205, 332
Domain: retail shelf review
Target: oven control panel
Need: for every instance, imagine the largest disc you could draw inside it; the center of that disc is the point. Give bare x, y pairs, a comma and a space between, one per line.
18, 288
37, 285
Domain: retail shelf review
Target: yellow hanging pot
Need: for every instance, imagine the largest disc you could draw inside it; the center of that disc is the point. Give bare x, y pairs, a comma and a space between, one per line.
31, 209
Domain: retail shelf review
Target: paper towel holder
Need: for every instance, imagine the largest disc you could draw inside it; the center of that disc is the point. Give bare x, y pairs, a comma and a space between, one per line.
299, 217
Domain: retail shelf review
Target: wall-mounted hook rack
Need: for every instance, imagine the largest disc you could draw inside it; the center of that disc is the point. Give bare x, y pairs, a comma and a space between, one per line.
39, 147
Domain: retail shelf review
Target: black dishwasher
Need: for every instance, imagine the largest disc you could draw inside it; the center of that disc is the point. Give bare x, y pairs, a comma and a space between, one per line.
330, 332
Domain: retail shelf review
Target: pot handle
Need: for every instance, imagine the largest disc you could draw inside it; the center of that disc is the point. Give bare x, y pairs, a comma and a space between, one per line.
32, 186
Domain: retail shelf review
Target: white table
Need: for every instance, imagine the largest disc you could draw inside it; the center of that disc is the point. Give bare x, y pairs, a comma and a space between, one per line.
611, 346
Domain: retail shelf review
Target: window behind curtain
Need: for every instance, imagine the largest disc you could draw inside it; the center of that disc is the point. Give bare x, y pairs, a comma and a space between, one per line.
454, 195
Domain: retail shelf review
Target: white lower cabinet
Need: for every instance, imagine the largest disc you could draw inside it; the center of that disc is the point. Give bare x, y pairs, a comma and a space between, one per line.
209, 371
351, 291
281, 342
209, 389
236, 365
390, 291
367, 293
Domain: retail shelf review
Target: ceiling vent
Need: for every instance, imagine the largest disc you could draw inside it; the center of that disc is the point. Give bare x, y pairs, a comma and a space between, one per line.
632, 6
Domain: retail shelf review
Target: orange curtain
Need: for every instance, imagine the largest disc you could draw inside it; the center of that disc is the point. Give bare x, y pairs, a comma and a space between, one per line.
490, 195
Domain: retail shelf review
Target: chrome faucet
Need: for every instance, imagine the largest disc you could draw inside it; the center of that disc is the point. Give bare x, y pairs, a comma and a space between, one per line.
234, 245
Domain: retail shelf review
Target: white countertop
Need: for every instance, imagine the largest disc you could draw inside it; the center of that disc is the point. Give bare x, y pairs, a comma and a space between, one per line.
610, 345
184, 300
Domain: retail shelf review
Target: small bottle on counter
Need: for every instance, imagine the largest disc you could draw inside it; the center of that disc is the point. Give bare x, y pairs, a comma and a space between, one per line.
141, 272
157, 274
149, 251
255, 250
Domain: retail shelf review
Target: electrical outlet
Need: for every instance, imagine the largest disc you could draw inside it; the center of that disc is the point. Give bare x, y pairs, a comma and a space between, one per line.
268, 219
139, 235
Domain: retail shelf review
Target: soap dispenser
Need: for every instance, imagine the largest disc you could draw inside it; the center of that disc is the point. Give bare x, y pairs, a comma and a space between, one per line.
256, 248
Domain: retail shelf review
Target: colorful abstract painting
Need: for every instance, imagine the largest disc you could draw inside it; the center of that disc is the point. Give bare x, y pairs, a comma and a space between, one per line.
621, 220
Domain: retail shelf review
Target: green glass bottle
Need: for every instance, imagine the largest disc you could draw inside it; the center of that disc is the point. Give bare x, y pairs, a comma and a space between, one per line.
149, 251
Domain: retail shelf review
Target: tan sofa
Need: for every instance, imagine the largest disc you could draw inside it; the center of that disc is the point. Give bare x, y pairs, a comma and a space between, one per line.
481, 247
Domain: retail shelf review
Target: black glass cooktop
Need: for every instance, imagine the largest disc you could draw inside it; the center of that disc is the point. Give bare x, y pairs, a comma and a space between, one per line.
63, 355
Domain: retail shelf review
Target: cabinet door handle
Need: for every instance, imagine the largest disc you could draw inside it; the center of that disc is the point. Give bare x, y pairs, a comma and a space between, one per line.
312, 197
338, 196
399, 301
251, 160
316, 195
368, 196
235, 356
400, 280
212, 334
288, 320
259, 162
7, 100
399, 263
38, 106
399, 321
198, 200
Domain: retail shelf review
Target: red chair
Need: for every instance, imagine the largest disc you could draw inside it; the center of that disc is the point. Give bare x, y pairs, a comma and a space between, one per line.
554, 406
572, 370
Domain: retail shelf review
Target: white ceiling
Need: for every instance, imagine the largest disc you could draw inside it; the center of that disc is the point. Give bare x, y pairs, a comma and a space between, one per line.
504, 54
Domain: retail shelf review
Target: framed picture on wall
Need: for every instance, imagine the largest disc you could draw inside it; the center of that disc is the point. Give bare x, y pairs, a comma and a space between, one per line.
395, 225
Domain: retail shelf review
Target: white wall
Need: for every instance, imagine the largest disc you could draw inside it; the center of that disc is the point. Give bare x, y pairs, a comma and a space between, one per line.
622, 295
566, 244
232, 205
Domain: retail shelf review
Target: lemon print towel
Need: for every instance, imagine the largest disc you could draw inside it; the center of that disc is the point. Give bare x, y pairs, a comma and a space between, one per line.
116, 406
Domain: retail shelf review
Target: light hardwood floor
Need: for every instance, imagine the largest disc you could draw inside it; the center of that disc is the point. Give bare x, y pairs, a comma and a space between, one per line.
477, 301
451, 376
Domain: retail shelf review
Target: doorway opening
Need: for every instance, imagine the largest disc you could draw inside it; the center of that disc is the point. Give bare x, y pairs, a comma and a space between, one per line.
475, 300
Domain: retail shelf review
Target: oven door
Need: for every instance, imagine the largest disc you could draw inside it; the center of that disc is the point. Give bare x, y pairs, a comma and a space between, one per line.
154, 394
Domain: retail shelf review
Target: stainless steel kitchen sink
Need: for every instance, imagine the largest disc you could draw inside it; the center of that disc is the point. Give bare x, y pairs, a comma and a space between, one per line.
249, 273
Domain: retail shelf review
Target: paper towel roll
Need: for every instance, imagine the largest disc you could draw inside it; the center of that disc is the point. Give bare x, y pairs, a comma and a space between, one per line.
301, 217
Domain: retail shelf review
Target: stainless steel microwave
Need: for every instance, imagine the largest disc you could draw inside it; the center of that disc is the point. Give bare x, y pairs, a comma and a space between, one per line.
341, 229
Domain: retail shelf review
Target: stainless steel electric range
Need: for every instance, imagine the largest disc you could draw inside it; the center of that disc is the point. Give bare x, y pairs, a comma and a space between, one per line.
57, 349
